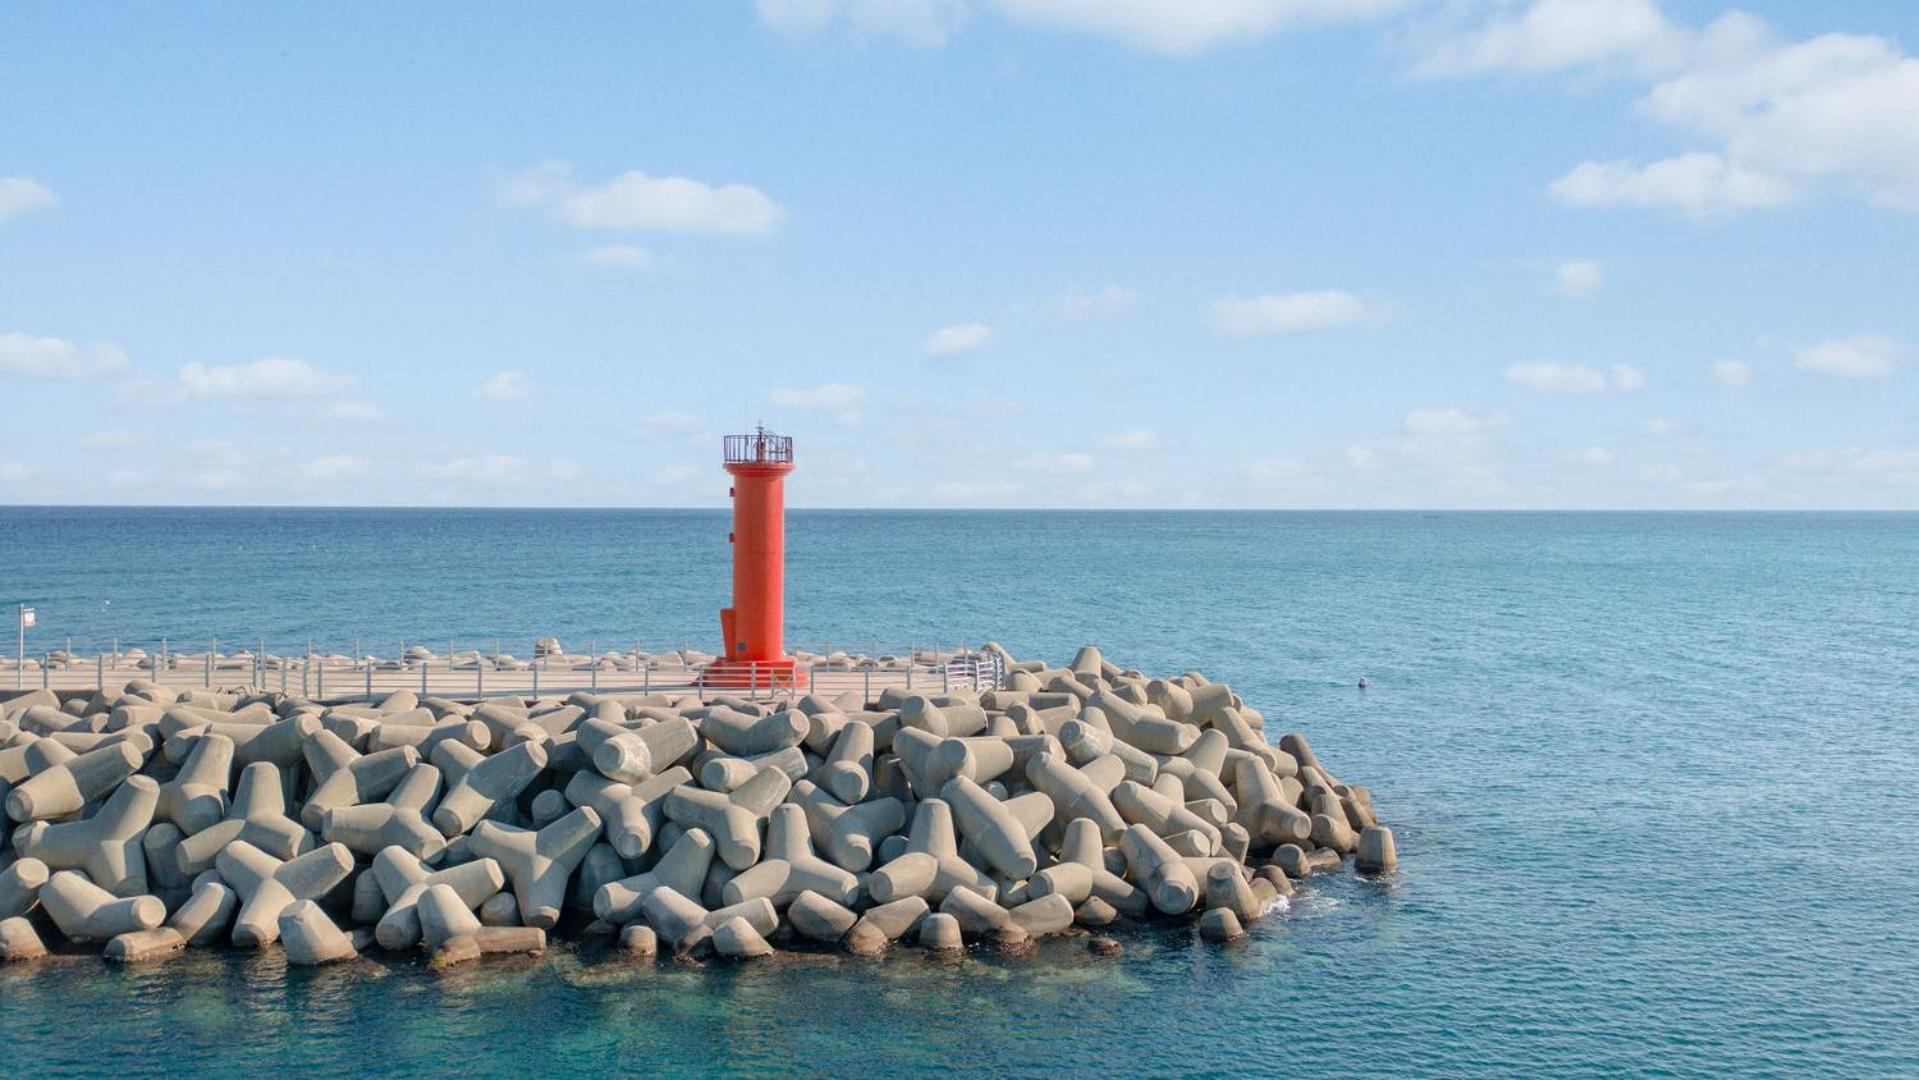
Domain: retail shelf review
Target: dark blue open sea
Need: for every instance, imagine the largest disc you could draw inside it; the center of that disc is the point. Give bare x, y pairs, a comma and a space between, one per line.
1655, 780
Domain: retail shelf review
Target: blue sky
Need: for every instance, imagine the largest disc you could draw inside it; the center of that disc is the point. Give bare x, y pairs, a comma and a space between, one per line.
1244, 253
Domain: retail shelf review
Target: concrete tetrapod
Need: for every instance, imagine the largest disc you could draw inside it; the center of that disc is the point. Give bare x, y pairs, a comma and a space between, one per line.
400, 821
790, 866
1141, 805
882, 925
814, 916
632, 813
636, 754
344, 777
1148, 731
1264, 809
680, 922
1081, 845
20, 886
310, 938
1159, 871
932, 835
940, 933
106, 845
1074, 796
256, 815
19, 941
196, 798
1376, 851
403, 878
1001, 838
85, 912
683, 868
268, 886
749, 736
848, 771
443, 916
738, 939
539, 863
480, 788
68, 787
849, 835
733, 820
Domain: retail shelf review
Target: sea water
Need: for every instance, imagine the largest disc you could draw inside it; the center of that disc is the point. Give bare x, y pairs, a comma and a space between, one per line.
1654, 778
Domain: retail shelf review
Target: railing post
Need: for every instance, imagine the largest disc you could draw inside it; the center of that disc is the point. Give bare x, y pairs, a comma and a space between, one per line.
646, 674
319, 681
867, 674
426, 664
100, 673
536, 673
369, 682
479, 676
46, 672
593, 664
946, 678
208, 678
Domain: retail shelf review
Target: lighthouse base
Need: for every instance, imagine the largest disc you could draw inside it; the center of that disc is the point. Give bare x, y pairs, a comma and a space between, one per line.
728, 673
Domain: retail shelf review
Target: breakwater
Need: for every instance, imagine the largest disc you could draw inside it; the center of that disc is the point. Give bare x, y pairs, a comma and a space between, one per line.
1065, 800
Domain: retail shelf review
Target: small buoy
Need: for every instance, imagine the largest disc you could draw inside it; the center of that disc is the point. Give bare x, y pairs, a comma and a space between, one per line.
1364, 682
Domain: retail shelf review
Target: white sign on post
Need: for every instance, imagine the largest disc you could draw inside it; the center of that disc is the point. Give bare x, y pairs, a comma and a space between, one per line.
26, 617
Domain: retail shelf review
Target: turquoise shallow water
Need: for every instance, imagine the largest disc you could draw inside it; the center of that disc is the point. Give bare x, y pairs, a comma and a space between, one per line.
1655, 780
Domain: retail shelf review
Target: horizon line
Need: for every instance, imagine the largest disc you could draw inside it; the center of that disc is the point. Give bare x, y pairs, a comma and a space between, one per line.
997, 509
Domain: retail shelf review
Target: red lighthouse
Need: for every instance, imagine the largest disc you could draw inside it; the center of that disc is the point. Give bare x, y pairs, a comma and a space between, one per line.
755, 626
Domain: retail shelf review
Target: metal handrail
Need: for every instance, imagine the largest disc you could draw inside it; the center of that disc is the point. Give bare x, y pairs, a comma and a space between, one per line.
760, 447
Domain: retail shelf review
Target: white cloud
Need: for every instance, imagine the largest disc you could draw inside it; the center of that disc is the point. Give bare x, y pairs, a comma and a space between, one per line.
332, 468
1596, 455
1892, 466
637, 201
1577, 278
356, 412
1184, 27
505, 386
1836, 108
1285, 313
618, 257
1141, 439
1110, 300
52, 358
1867, 356
502, 469
217, 479
12, 472
843, 400
1732, 372
1440, 422
676, 475
1775, 121
270, 378
109, 440
1561, 35
660, 425
1698, 183
1661, 426
957, 339
1073, 462
19, 195
1549, 378
922, 22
